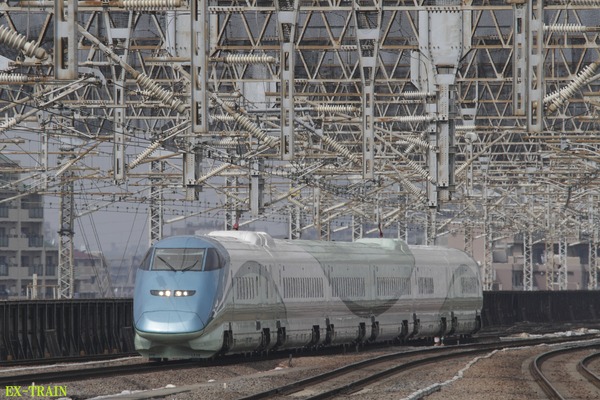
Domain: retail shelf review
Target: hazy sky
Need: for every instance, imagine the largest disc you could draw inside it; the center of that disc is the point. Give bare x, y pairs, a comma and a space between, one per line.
125, 230
104, 231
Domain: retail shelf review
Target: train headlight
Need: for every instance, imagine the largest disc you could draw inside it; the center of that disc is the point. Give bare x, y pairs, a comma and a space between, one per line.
175, 293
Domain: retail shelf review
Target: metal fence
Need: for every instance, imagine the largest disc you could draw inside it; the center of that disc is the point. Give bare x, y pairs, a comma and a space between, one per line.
55, 328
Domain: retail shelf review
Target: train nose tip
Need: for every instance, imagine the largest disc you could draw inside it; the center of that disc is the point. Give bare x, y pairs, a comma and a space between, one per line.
169, 322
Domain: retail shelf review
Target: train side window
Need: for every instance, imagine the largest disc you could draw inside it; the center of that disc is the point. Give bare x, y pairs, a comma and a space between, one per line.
213, 260
426, 285
145, 265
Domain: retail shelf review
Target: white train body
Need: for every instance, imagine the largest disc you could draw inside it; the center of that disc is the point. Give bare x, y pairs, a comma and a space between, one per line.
285, 294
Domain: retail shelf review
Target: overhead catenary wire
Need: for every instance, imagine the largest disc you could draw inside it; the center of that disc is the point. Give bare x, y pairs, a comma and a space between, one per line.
141, 78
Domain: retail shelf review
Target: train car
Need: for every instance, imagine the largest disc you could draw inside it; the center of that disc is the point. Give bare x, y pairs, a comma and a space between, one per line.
235, 292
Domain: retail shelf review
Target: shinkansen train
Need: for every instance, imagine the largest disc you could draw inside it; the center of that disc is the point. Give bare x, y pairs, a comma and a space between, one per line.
235, 292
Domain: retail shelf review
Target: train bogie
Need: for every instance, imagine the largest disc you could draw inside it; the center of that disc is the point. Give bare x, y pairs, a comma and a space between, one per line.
268, 294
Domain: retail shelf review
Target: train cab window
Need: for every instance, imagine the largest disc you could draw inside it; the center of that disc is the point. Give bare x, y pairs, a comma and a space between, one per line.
213, 260
178, 260
145, 265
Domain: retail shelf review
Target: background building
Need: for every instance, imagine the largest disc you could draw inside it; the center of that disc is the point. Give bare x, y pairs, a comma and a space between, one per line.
24, 252
508, 261
29, 255
325, 118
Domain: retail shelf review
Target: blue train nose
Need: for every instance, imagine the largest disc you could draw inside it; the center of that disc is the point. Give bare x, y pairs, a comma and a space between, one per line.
160, 306
170, 321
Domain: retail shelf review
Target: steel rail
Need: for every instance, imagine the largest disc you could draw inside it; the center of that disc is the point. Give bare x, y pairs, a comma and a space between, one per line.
63, 375
66, 359
535, 368
470, 349
582, 368
87, 373
359, 384
68, 374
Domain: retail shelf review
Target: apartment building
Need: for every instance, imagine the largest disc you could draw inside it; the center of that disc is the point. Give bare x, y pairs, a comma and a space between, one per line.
26, 258
508, 261
29, 259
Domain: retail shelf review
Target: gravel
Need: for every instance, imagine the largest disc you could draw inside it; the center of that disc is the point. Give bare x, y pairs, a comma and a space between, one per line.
499, 375
217, 382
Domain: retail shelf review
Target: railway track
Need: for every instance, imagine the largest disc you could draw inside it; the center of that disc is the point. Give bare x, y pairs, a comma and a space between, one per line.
354, 377
560, 386
376, 368
65, 373
69, 359
62, 375
583, 369
486, 334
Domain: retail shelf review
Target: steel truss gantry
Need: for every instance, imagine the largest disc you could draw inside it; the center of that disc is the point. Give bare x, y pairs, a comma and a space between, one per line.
353, 104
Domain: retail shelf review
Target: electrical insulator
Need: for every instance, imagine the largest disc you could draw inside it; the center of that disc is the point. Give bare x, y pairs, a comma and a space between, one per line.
225, 143
17, 41
340, 149
223, 118
7, 124
247, 124
408, 185
13, 78
248, 59
565, 28
144, 154
556, 99
415, 141
551, 97
220, 9
581, 2
419, 170
160, 93
231, 104
413, 95
213, 172
414, 118
335, 108
150, 5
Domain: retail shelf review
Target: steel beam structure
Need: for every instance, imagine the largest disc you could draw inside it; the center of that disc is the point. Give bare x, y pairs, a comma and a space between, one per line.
563, 267
527, 261
66, 232
155, 209
287, 19
593, 243
367, 16
468, 237
362, 102
295, 225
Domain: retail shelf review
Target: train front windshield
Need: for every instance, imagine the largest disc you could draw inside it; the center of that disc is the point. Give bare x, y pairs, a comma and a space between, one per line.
182, 259
178, 259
